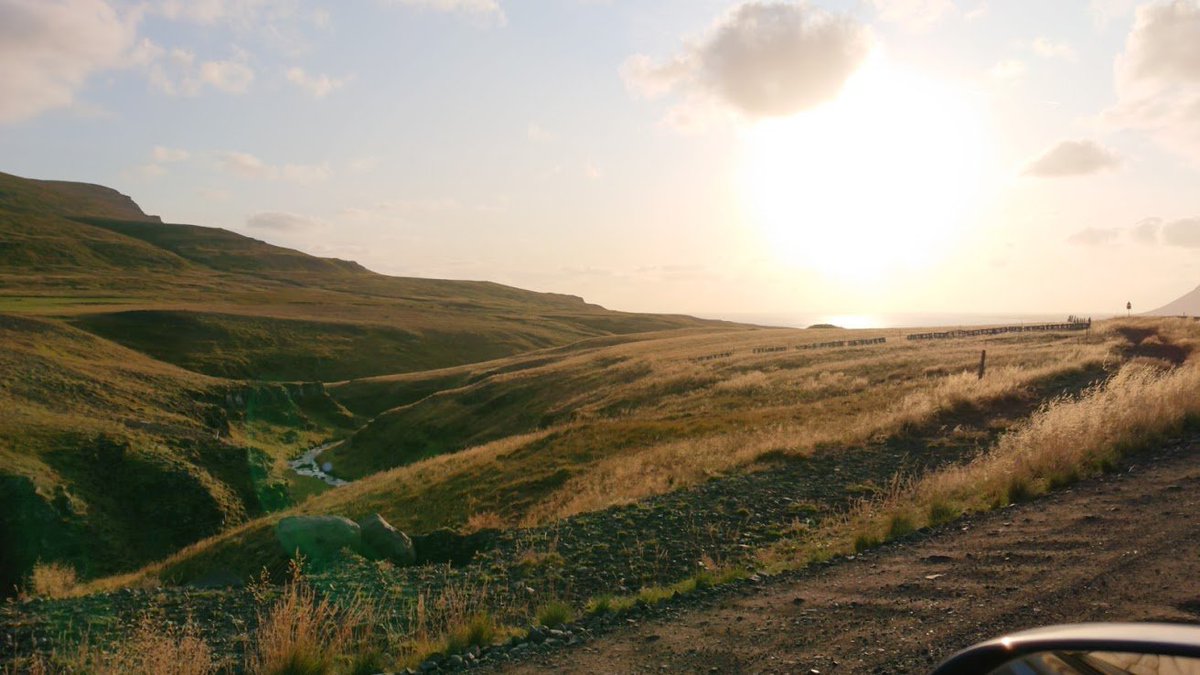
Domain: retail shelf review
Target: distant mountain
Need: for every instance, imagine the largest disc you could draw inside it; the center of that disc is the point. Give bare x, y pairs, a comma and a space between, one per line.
223, 304
1185, 305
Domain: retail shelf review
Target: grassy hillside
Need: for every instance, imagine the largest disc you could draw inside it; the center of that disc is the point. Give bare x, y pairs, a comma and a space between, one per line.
532, 439
109, 459
149, 371
224, 304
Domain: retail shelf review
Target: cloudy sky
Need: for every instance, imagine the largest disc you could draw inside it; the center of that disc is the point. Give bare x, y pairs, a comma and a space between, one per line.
847, 156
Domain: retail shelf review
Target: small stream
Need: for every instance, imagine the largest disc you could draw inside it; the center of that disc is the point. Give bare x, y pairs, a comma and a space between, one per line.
306, 465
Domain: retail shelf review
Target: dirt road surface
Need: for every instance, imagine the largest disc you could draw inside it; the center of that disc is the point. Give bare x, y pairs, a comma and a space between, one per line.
1123, 547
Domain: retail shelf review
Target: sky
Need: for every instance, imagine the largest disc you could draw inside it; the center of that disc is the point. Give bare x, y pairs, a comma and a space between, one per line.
717, 158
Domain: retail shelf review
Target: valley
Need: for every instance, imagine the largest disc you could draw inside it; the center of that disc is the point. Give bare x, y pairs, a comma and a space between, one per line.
172, 393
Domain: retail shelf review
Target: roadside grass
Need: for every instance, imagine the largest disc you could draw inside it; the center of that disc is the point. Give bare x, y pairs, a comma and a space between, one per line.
301, 634
1142, 405
554, 614
152, 648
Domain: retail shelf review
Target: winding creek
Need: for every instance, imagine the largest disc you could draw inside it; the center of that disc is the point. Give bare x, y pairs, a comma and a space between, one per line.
306, 465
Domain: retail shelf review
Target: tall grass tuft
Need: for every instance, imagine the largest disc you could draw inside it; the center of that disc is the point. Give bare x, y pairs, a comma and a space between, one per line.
52, 580
301, 634
554, 614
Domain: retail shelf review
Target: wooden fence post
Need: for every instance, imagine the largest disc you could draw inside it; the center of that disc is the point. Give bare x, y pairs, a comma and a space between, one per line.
982, 362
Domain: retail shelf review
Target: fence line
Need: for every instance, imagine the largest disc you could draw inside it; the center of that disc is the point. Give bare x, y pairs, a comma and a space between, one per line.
783, 348
710, 357
942, 335
998, 330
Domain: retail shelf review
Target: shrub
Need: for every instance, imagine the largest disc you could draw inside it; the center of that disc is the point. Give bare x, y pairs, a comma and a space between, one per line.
554, 614
864, 541
600, 604
942, 512
479, 630
303, 635
901, 524
52, 580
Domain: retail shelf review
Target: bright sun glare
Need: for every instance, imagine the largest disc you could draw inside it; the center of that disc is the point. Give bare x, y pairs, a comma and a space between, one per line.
875, 181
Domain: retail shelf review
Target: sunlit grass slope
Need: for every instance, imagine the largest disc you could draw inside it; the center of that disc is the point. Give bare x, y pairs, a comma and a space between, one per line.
109, 459
531, 439
228, 305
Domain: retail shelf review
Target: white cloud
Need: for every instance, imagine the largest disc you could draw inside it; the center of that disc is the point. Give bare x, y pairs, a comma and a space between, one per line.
228, 76
243, 13
319, 86
214, 194
1050, 49
280, 25
364, 165
539, 134
488, 9
1073, 158
246, 165
305, 174
1184, 232
1094, 236
916, 15
282, 222
162, 153
760, 59
1163, 46
176, 72
148, 170
48, 48
1158, 77
1147, 230
1107, 11
1008, 70
978, 12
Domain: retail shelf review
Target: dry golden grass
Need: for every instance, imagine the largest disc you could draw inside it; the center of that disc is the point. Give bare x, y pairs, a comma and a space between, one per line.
301, 634
620, 422
459, 615
484, 520
52, 580
152, 648
1144, 403
661, 468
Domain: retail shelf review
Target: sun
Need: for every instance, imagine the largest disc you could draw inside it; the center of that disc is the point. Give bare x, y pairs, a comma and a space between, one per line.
876, 181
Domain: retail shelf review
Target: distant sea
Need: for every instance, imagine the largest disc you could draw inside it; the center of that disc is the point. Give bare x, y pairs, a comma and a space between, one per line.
893, 320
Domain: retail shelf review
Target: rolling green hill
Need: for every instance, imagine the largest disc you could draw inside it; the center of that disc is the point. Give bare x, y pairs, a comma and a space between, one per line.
224, 304
151, 373
108, 457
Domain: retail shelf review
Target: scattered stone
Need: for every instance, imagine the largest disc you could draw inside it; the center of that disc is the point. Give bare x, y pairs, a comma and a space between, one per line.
318, 538
382, 541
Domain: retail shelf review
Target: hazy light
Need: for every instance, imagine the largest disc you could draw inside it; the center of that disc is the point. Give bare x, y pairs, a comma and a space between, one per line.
875, 181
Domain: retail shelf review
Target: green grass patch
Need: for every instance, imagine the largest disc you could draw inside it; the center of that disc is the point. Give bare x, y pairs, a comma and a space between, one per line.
554, 614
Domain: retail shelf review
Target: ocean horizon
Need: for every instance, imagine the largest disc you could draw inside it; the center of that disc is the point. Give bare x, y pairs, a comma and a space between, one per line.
895, 319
